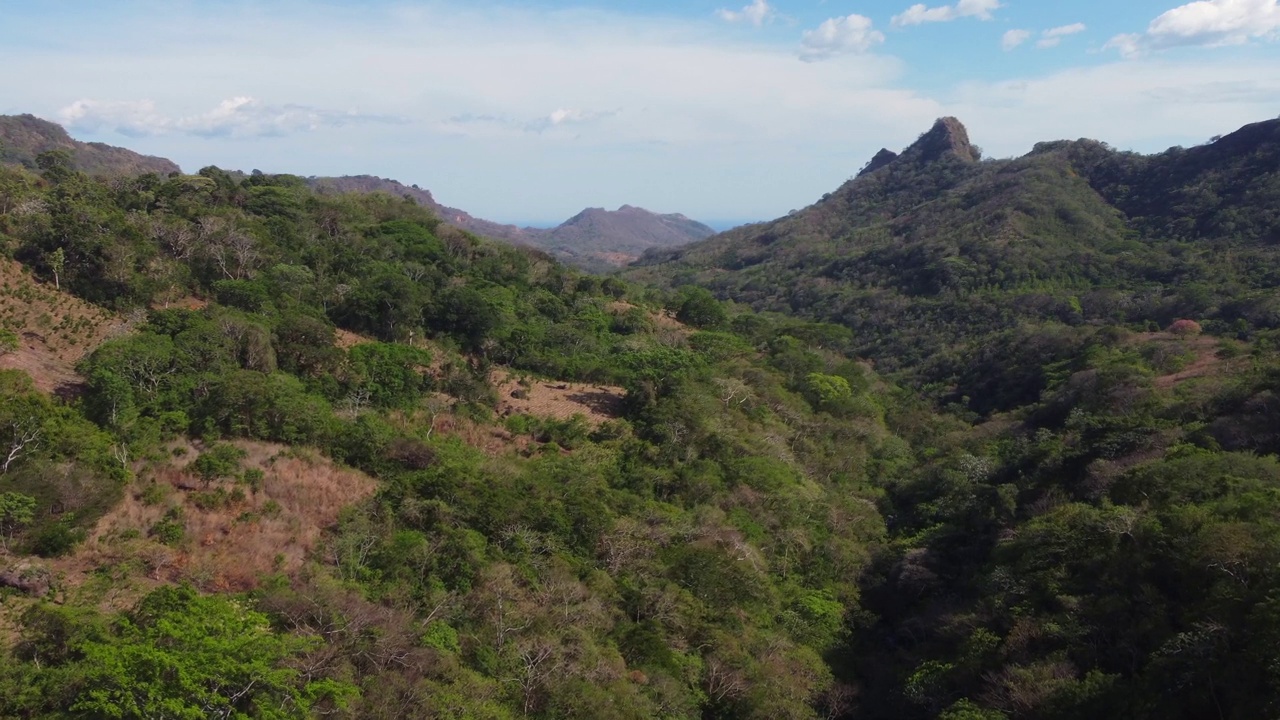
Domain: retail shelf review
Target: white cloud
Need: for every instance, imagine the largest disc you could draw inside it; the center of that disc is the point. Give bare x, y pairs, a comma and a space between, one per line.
754, 14
1014, 38
1053, 36
1145, 104
476, 125
712, 125
1207, 23
839, 36
1129, 45
921, 13
133, 118
240, 116
568, 116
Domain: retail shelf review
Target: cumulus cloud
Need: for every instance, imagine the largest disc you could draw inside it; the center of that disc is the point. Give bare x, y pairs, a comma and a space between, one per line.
1206, 23
754, 14
753, 131
241, 116
1145, 104
921, 13
839, 36
1053, 36
1048, 38
1014, 38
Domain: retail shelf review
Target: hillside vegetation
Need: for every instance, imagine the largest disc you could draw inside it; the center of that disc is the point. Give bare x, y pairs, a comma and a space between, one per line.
947, 268
970, 440
595, 239
689, 544
1098, 543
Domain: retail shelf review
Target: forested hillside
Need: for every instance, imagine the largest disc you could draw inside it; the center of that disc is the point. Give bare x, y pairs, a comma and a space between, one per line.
973, 440
934, 258
1100, 541
689, 544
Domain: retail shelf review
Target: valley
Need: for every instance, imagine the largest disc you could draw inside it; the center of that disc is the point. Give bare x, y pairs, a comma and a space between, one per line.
969, 439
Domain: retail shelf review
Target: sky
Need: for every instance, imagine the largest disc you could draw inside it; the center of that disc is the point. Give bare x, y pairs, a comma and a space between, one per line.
528, 111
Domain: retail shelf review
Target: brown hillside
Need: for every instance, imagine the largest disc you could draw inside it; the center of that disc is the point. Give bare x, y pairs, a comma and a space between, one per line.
54, 328
276, 527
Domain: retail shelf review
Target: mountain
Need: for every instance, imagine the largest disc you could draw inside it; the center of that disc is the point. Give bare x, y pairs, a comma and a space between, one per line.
595, 239
941, 263
597, 236
23, 137
316, 454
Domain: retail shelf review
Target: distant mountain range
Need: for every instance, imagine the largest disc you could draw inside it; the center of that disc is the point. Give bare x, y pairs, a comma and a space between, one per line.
595, 239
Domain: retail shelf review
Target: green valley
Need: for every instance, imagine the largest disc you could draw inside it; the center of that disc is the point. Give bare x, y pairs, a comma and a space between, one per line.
966, 439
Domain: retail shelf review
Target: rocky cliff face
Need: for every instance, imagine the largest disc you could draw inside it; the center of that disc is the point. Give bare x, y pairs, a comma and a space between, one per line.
947, 139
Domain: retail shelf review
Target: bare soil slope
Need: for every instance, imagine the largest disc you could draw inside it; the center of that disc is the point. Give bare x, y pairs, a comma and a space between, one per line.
55, 329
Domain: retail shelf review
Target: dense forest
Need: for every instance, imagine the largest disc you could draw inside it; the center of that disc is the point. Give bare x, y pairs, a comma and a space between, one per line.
967, 439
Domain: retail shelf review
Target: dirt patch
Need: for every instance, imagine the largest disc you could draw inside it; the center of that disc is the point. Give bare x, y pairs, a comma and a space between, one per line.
558, 400
615, 258
1205, 362
228, 546
55, 330
50, 374
492, 440
184, 303
347, 339
661, 319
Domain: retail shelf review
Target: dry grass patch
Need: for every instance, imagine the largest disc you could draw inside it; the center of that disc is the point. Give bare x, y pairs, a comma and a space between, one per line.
1207, 358
558, 400
55, 329
232, 533
347, 339
662, 319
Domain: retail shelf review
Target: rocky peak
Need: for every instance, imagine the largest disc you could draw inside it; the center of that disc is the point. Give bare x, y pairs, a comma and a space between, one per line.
947, 138
882, 158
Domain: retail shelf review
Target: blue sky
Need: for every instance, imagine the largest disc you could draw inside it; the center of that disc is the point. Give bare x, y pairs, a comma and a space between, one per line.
530, 110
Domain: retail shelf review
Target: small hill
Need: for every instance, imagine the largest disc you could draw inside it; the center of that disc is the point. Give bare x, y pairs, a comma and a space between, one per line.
23, 137
619, 236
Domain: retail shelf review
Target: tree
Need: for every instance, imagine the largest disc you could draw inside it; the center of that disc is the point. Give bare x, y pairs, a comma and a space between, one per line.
218, 461
16, 511
22, 426
57, 261
827, 392
180, 655
56, 165
699, 308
